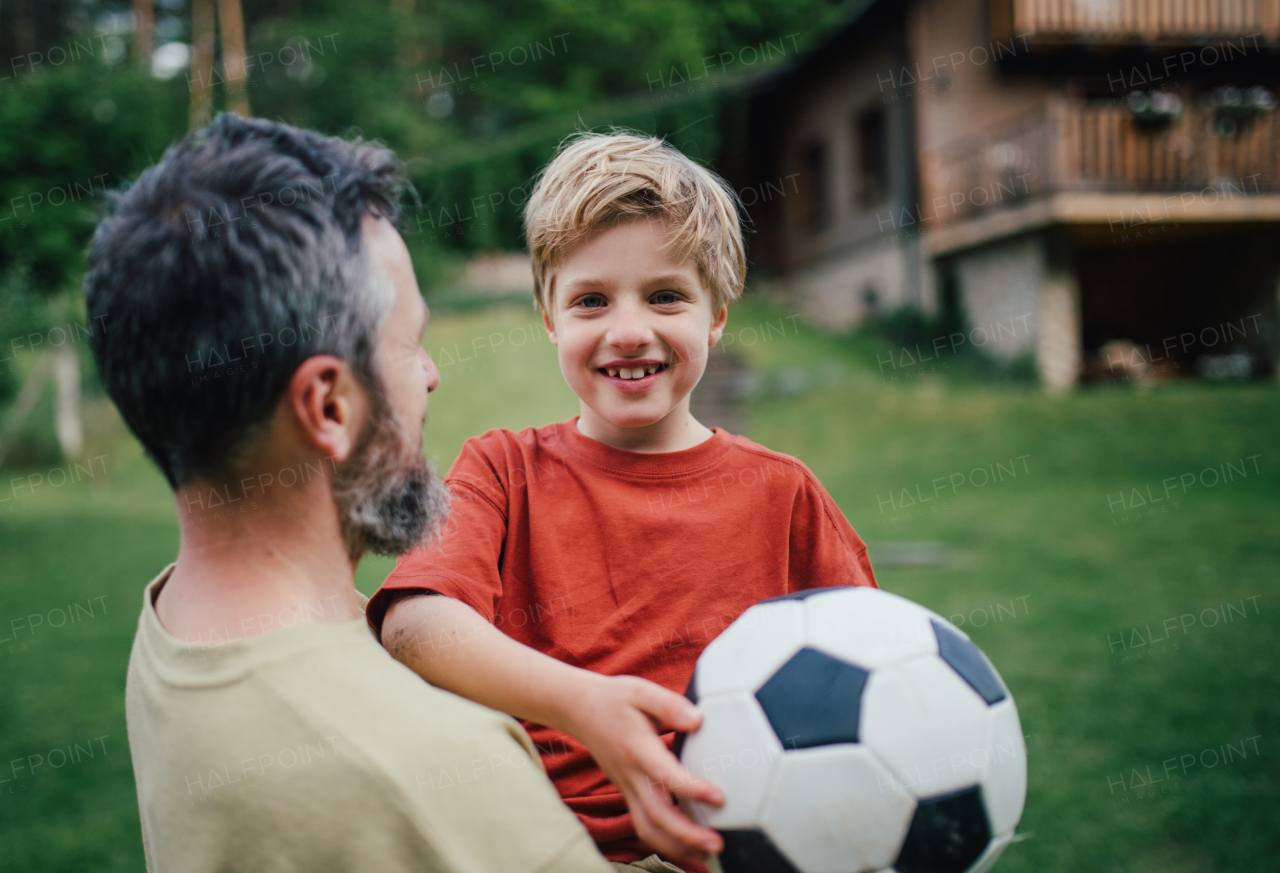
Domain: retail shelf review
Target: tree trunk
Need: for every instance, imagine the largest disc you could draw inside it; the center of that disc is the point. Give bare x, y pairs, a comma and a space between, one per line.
144, 29
231, 25
201, 78
24, 28
66, 369
406, 49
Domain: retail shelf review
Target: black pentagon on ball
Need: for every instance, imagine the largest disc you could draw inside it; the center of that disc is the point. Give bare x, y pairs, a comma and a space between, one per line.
947, 834
967, 660
752, 851
813, 700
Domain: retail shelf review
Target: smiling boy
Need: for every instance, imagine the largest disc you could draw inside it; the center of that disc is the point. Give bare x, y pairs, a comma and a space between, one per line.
588, 563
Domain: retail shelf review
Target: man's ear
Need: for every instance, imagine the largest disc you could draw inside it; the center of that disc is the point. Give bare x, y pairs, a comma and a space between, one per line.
328, 405
717, 325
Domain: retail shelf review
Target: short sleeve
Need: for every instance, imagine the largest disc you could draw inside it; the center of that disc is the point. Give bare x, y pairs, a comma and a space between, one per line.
463, 562
824, 550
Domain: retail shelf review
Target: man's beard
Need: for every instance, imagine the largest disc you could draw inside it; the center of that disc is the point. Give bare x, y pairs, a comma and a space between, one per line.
389, 496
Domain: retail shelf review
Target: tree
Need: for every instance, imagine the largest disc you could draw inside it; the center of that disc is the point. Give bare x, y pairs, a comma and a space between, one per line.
231, 23
203, 37
144, 29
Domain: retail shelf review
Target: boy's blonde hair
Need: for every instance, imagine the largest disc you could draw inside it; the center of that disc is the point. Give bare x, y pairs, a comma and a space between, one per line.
597, 181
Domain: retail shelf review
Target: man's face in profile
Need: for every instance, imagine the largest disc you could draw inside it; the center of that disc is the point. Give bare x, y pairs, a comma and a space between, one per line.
389, 497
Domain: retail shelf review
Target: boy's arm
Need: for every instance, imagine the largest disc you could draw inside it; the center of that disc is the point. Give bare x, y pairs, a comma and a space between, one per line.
451, 646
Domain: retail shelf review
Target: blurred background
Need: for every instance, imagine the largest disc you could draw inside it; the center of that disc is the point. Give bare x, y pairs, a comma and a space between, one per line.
1014, 274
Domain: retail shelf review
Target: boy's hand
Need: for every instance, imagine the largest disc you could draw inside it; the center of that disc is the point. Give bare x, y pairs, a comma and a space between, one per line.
619, 720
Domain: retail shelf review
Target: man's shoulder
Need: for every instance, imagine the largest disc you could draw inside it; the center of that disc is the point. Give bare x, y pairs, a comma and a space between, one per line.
329, 681
335, 749
348, 704
374, 697
434, 756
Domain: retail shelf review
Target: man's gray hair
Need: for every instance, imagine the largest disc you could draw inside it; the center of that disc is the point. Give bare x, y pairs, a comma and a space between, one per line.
224, 267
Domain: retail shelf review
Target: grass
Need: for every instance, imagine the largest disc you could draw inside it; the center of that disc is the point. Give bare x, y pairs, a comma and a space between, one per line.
1051, 572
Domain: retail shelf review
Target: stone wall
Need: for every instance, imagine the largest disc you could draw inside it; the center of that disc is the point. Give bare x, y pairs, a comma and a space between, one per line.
836, 293
1018, 301
999, 290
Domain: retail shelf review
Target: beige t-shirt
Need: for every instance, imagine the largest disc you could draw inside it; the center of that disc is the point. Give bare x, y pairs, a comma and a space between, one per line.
309, 748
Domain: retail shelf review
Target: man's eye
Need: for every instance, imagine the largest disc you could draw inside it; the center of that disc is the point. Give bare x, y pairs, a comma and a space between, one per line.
664, 298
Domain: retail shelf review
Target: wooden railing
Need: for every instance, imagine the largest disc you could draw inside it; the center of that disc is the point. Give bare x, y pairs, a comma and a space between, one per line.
1124, 20
1083, 146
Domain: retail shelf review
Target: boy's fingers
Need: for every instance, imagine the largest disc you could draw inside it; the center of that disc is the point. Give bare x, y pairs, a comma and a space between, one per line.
686, 837
673, 777
670, 709
661, 841
691, 788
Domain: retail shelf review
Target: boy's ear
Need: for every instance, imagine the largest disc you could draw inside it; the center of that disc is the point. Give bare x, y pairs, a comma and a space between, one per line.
717, 326
548, 324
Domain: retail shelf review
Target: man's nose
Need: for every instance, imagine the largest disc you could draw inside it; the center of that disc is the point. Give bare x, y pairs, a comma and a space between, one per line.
433, 375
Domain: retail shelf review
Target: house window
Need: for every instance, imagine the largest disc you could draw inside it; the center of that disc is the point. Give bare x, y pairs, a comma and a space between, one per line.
871, 160
812, 184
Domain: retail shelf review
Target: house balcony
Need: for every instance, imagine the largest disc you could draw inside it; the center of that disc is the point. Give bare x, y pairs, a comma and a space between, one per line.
1170, 22
1095, 163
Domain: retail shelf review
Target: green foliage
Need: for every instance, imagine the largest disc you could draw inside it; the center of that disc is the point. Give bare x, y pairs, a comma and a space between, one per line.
71, 134
519, 78
473, 200
907, 332
515, 81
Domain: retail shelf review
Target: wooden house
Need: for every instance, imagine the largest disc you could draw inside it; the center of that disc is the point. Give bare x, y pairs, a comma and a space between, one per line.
1090, 184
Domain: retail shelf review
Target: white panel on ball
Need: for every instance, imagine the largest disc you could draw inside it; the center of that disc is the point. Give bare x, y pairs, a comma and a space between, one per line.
1004, 780
736, 750
927, 725
869, 628
751, 649
836, 809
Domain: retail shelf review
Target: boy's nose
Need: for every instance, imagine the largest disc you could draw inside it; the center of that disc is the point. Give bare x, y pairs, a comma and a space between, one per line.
629, 329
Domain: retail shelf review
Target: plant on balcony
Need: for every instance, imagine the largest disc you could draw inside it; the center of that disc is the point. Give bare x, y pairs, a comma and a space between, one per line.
1235, 109
1154, 108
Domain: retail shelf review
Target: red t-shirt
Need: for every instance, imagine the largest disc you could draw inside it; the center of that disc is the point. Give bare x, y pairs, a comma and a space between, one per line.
624, 563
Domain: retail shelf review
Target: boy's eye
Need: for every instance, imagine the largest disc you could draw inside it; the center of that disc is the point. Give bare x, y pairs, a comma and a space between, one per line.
591, 301
663, 298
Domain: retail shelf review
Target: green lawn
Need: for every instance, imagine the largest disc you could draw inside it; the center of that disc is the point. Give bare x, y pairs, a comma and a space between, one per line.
1055, 573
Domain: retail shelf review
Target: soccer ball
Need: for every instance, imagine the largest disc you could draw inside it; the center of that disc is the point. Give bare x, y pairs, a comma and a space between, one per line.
852, 730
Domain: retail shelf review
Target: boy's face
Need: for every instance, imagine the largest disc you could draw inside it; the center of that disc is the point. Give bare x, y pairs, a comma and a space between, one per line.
632, 326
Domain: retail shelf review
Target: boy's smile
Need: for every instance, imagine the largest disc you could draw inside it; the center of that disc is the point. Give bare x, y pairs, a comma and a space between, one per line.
632, 323
630, 375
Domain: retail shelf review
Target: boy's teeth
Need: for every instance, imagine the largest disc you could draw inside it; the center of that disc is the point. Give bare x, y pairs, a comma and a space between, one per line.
633, 372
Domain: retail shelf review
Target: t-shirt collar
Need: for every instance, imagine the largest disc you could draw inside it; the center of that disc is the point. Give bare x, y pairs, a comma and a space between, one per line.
644, 465
216, 661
